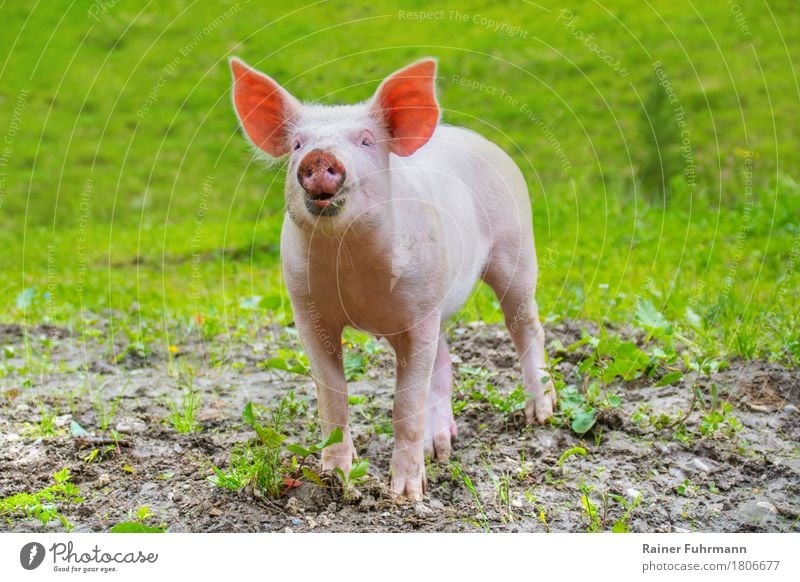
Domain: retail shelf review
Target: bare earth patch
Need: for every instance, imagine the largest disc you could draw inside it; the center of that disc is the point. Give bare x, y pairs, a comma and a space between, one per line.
749, 481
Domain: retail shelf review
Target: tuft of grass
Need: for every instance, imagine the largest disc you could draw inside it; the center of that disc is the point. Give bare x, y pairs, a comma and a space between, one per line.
46, 425
183, 413
457, 474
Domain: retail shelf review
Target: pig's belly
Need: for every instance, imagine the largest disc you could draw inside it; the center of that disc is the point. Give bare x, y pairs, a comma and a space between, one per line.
468, 258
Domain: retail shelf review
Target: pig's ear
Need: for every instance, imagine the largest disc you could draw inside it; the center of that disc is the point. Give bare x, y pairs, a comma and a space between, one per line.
265, 109
406, 104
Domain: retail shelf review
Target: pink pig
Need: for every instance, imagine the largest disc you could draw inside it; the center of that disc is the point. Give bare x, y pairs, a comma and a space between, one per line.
391, 218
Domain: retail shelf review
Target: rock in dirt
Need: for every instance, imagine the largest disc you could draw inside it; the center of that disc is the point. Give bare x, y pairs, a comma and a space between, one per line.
757, 513
131, 426
700, 465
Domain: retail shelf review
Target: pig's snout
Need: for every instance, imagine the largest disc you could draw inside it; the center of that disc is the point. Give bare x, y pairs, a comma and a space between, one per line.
321, 175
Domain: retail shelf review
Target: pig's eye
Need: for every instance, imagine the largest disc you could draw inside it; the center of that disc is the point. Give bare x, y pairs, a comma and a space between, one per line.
296, 145
367, 141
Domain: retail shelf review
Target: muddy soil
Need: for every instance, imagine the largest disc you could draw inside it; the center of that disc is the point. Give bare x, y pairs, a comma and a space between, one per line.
746, 482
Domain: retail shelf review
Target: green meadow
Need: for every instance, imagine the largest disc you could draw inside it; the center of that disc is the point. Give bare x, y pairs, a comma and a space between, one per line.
660, 140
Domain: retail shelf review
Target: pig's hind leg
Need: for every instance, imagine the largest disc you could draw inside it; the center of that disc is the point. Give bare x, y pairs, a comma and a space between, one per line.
511, 273
440, 427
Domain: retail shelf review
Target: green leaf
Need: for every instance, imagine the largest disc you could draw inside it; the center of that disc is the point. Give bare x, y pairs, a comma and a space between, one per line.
620, 527
287, 365
299, 450
649, 317
569, 453
248, 416
312, 476
584, 421
143, 513
135, 527
360, 470
62, 476
355, 365
269, 436
670, 378
336, 436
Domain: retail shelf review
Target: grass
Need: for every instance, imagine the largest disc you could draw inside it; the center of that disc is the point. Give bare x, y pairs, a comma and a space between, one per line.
127, 193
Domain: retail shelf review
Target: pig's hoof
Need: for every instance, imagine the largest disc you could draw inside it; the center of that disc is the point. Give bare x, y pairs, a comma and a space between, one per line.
408, 477
440, 430
540, 406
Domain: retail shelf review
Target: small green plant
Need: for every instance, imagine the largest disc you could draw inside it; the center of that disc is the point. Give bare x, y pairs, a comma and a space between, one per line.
265, 464
477, 388
357, 475
590, 510
290, 360
183, 414
458, 474
721, 421
502, 488
105, 413
686, 488
46, 426
569, 453
46, 504
139, 525
621, 525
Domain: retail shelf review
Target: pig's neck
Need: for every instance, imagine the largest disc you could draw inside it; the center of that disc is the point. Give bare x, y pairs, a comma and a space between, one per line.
369, 240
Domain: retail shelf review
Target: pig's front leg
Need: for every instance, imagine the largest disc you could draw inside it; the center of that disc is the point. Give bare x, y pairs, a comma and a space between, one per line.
416, 352
323, 345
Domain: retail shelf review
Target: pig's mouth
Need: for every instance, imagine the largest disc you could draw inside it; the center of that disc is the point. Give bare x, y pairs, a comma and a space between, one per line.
325, 204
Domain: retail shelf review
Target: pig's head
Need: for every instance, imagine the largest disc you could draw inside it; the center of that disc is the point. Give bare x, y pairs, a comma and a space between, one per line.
338, 155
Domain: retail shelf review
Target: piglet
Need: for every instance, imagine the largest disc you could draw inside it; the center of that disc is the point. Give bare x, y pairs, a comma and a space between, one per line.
391, 218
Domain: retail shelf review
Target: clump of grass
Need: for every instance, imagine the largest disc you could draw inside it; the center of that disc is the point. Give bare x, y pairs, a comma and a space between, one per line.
46, 425
269, 464
183, 413
106, 412
45, 504
457, 474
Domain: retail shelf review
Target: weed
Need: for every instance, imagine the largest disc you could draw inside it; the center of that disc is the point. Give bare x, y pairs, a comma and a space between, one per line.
621, 525
590, 509
105, 413
139, 525
263, 464
502, 488
356, 476
46, 426
477, 388
45, 504
569, 453
290, 360
458, 474
183, 414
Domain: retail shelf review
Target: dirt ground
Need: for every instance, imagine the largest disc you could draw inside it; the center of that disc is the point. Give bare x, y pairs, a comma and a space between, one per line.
748, 482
